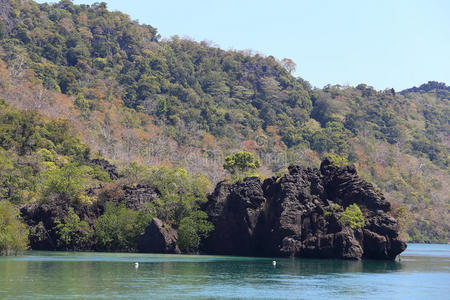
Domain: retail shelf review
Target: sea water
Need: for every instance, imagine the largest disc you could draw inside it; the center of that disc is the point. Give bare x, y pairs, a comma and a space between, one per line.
422, 272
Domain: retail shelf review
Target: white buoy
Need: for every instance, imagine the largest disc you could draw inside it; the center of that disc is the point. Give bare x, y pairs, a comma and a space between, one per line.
136, 265
274, 263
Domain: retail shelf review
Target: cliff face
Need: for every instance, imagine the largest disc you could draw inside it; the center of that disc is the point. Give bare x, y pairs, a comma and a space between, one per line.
293, 216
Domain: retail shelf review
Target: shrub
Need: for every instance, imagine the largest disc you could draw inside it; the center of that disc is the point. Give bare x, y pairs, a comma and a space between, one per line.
13, 233
337, 160
353, 217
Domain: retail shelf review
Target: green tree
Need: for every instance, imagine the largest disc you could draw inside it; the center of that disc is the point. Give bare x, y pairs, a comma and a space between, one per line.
240, 163
402, 216
352, 216
119, 228
193, 230
8, 175
73, 233
13, 233
337, 160
67, 182
180, 192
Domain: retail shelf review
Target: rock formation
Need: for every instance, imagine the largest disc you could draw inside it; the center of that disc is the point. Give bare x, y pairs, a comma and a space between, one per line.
158, 238
294, 215
41, 217
297, 214
133, 196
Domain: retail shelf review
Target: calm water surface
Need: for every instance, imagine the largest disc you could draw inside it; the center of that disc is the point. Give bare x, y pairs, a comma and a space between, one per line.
423, 272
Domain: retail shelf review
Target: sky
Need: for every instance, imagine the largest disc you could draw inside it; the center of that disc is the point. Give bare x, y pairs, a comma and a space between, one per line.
385, 44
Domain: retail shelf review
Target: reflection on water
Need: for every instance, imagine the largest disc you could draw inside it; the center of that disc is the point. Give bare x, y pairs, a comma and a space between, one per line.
424, 270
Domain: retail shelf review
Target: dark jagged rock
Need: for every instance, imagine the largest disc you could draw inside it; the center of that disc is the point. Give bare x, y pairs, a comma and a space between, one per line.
133, 196
41, 217
107, 166
237, 214
292, 216
345, 187
158, 238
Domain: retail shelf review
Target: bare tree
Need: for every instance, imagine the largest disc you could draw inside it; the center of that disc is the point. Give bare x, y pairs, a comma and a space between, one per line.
289, 64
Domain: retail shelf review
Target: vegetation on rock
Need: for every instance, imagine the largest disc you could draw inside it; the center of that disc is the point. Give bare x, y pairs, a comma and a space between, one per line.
352, 216
241, 164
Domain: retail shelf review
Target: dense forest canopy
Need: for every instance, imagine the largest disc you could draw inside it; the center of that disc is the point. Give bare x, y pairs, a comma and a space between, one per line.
133, 96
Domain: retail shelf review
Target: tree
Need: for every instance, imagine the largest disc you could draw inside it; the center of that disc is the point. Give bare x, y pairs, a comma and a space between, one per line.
337, 160
193, 230
240, 163
9, 176
353, 217
13, 233
180, 192
403, 217
67, 182
73, 233
119, 228
289, 64
133, 172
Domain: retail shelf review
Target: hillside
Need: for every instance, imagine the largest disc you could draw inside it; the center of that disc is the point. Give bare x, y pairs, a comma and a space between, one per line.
132, 96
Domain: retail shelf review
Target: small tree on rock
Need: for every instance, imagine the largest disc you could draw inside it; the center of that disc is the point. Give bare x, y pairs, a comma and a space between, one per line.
240, 164
353, 217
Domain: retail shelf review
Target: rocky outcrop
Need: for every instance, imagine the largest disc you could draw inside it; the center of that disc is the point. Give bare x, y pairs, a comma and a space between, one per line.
237, 212
107, 167
158, 238
41, 216
296, 215
133, 196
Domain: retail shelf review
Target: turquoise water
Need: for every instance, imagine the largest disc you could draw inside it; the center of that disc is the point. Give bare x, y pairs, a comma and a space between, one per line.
423, 272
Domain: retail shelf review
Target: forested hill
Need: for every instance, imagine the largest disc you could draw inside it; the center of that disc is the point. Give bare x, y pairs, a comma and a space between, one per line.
133, 96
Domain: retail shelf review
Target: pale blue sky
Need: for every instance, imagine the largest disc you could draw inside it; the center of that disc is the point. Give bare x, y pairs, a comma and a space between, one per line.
381, 43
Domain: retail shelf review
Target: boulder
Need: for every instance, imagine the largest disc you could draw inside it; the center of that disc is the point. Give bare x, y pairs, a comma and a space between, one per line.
158, 238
